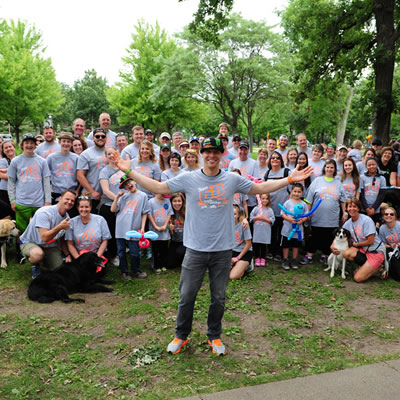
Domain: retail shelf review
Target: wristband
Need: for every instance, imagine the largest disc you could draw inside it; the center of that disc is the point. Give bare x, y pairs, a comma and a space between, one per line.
129, 170
290, 179
237, 258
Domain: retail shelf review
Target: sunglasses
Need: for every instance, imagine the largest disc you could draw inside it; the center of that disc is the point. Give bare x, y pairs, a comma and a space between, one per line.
100, 136
389, 214
236, 140
83, 198
191, 151
275, 158
39, 141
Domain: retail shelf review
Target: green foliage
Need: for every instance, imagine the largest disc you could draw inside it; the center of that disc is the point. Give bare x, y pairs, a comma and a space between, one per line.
136, 95
29, 90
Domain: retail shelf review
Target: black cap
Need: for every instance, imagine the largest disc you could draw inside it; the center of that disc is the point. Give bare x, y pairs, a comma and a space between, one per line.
99, 130
28, 136
124, 178
377, 142
211, 144
244, 143
148, 131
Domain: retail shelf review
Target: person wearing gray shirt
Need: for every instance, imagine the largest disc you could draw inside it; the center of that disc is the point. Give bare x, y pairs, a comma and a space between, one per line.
50, 145
208, 234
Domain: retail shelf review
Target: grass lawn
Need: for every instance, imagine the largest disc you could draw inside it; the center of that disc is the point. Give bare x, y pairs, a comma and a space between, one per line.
277, 325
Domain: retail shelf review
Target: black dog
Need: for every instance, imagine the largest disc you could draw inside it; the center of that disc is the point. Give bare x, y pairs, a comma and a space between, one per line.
78, 276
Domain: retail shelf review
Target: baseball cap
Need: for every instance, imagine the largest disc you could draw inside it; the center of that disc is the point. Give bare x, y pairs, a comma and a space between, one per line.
331, 145
165, 146
99, 130
165, 135
283, 137
124, 178
223, 136
236, 136
341, 147
28, 136
194, 139
244, 143
211, 144
377, 142
184, 143
148, 131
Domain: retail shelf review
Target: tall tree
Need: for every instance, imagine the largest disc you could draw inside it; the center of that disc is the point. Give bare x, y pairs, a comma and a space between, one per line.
28, 86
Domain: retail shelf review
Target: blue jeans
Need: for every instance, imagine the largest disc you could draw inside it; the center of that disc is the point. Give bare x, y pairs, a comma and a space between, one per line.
133, 246
194, 267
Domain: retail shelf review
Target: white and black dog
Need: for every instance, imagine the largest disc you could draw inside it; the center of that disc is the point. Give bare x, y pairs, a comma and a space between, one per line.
341, 243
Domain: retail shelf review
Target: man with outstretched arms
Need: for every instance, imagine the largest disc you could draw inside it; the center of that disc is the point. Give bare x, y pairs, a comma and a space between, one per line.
50, 145
208, 233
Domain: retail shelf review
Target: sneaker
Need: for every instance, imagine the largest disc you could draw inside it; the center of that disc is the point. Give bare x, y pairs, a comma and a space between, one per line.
323, 259
270, 256
286, 265
163, 270
383, 274
139, 275
149, 254
176, 345
263, 262
294, 264
157, 271
217, 347
126, 276
258, 262
277, 257
35, 271
306, 260
115, 261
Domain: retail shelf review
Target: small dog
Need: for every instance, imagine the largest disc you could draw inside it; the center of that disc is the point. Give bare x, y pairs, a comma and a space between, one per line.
341, 242
82, 275
7, 229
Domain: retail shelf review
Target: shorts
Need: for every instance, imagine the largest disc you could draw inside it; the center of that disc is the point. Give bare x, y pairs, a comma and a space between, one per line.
247, 257
375, 260
293, 243
23, 215
52, 255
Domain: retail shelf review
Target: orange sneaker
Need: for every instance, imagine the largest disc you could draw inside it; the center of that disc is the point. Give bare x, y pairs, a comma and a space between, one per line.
217, 347
176, 345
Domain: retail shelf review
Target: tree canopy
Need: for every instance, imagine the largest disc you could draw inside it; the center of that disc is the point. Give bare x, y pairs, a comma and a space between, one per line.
28, 86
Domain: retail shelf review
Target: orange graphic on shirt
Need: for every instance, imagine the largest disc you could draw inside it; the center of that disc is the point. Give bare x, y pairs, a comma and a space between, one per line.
144, 170
245, 171
329, 192
213, 195
86, 236
372, 188
225, 163
101, 161
131, 206
393, 238
48, 152
357, 234
30, 173
65, 169
115, 179
350, 188
238, 238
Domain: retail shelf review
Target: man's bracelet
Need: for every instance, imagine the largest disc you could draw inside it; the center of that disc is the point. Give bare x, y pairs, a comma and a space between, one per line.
129, 170
290, 179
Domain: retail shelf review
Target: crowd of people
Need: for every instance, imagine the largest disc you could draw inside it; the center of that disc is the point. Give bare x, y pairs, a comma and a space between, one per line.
212, 205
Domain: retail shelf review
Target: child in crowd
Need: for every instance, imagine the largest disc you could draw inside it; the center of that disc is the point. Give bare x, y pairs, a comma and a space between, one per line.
159, 217
262, 217
241, 199
132, 208
176, 250
241, 252
294, 244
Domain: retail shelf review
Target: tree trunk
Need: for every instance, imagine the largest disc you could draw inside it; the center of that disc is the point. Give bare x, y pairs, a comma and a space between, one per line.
384, 68
341, 128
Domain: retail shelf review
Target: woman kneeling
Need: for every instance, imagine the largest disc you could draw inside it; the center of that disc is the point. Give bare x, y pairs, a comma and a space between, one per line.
367, 249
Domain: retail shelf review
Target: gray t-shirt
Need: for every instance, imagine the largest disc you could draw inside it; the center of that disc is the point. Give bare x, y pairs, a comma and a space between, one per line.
259, 173
3, 165
209, 217
355, 154
246, 167
28, 173
281, 195
390, 236
93, 160
131, 150
284, 153
372, 186
149, 169
361, 229
317, 165
177, 235
160, 212
287, 226
63, 171
131, 207
113, 176
239, 199
46, 217
111, 138
45, 149
350, 190
362, 169
234, 152
262, 229
226, 159
169, 174
241, 235
88, 236
332, 194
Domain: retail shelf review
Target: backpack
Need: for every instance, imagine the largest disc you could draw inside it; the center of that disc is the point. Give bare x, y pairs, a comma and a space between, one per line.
285, 175
394, 264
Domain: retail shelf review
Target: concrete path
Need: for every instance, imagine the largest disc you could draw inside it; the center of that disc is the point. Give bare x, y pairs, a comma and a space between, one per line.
371, 382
